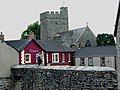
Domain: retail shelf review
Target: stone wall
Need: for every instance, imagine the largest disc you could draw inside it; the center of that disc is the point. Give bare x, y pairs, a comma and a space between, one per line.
5, 83
1, 85
63, 78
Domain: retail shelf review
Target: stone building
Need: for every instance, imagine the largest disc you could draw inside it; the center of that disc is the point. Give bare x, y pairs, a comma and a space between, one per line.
55, 25
53, 22
78, 38
117, 35
103, 56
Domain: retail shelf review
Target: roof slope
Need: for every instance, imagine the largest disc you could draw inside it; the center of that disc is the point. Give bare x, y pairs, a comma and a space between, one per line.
117, 20
46, 45
18, 44
77, 33
74, 34
54, 46
97, 51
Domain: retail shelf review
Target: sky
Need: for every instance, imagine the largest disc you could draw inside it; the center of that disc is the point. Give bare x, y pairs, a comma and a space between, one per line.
16, 15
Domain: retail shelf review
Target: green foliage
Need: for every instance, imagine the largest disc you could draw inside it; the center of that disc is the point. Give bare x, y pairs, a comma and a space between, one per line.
105, 39
35, 28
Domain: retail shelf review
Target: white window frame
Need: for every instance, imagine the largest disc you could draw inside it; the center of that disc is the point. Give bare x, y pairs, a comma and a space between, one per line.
47, 57
54, 57
42, 57
90, 61
37, 54
69, 55
22, 57
29, 58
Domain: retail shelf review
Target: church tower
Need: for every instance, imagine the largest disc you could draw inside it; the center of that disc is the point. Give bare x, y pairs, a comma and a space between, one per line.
53, 22
117, 35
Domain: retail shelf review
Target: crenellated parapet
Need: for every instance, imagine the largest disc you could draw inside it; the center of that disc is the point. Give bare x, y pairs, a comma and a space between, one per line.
55, 14
53, 22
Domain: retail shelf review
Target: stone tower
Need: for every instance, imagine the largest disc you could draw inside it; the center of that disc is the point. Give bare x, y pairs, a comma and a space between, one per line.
117, 35
53, 22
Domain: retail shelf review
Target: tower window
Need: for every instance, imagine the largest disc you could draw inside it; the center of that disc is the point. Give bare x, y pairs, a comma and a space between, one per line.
56, 22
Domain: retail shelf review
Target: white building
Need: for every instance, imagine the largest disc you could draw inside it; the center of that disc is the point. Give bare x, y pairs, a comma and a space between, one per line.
8, 58
104, 56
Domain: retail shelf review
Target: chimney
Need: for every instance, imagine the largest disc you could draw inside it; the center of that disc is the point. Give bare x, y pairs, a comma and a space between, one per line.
1, 36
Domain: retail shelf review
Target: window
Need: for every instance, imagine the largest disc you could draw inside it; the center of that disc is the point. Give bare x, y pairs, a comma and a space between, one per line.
88, 44
82, 61
69, 57
56, 22
27, 58
55, 57
79, 45
90, 61
102, 61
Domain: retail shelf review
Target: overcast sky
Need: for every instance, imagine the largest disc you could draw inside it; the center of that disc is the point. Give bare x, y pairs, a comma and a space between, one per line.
16, 15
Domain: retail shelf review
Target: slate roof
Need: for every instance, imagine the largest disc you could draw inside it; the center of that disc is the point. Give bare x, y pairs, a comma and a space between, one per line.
117, 20
46, 45
70, 33
97, 51
18, 44
74, 34
54, 46
77, 33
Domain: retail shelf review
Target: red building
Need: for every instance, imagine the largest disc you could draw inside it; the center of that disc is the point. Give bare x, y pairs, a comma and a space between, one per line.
51, 52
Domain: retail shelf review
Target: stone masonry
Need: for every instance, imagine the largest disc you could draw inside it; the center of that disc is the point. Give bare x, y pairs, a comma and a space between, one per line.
53, 22
117, 35
33, 77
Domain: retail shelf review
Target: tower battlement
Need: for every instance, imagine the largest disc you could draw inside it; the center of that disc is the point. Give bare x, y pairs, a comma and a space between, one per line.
55, 14
53, 22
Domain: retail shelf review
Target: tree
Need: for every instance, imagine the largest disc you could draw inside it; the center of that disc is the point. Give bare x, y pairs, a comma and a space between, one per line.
35, 28
105, 39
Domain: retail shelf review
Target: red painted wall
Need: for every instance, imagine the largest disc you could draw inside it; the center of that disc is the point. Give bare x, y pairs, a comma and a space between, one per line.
33, 48
50, 57
20, 58
66, 58
60, 57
